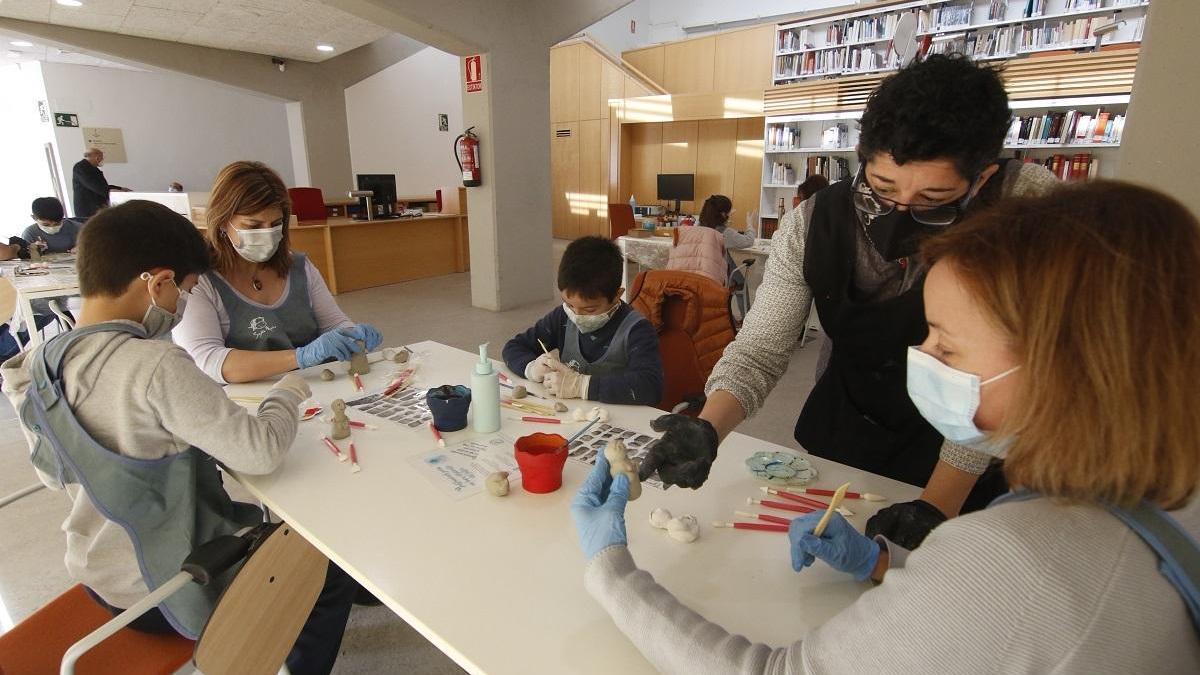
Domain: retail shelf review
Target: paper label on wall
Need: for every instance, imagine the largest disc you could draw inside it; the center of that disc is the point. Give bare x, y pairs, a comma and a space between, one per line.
461, 469
110, 141
473, 67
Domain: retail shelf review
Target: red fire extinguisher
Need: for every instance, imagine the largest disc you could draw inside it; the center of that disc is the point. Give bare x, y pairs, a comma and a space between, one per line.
466, 151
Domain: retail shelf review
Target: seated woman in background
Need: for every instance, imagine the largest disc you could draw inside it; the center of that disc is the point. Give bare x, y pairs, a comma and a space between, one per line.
715, 214
1061, 334
263, 309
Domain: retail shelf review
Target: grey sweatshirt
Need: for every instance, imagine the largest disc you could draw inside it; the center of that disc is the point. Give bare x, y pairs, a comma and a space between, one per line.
147, 399
753, 363
1024, 587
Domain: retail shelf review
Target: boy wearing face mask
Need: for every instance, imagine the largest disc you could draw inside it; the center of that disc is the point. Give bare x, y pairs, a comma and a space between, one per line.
597, 347
50, 231
129, 396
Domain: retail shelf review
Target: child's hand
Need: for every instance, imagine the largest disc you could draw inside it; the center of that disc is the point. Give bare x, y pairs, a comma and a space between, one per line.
563, 382
536, 369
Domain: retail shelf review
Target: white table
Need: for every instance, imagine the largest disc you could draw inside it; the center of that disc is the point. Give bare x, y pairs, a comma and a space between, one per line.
61, 281
497, 583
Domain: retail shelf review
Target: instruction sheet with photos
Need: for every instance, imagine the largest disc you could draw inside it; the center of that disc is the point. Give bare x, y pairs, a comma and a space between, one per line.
459, 470
406, 407
594, 441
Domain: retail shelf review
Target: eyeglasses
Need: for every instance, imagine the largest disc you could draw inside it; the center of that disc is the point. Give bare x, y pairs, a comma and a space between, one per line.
871, 203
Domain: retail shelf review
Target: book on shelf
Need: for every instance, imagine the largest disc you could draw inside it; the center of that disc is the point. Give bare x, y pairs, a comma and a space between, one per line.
1034, 8
997, 10
1081, 166
833, 168
1066, 127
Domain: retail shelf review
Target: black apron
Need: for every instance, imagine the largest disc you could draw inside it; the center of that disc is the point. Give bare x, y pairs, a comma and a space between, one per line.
859, 412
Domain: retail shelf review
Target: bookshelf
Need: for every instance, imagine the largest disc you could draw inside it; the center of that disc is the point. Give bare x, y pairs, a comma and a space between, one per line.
857, 42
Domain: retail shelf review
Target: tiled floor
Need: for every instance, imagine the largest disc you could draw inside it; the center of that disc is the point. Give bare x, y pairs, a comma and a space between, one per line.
32, 547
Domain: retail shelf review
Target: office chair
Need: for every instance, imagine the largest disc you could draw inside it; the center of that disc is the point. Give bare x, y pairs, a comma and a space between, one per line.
620, 220
308, 203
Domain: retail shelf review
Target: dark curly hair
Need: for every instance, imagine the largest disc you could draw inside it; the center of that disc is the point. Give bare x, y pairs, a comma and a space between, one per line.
945, 107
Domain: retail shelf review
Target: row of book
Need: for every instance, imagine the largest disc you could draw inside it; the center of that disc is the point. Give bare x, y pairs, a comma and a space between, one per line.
833, 168
1062, 33
946, 16
1081, 166
829, 61
863, 28
788, 137
1066, 127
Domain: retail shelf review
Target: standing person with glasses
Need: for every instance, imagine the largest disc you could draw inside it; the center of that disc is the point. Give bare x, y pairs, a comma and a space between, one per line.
929, 148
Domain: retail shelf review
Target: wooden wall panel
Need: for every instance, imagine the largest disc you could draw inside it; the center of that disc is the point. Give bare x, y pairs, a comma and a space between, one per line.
744, 59
590, 202
564, 79
649, 61
688, 66
564, 177
612, 86
748, 167
590, 78
716, 147
645, 153
679, 153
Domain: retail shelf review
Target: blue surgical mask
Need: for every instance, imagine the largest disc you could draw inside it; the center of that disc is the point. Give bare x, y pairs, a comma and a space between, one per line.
948, 398
590, 323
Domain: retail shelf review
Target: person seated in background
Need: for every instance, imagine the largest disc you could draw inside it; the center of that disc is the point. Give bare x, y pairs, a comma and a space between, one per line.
153, 423
594, 346
263, 309
51, 232
715, 214
1058, 336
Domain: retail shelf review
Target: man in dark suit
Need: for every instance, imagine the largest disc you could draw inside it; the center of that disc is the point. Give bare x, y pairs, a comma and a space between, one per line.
90, 187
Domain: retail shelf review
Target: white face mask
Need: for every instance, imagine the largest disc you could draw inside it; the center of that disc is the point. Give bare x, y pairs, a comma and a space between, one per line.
948, 398
50, 229
590, 323
258, 245
157, 321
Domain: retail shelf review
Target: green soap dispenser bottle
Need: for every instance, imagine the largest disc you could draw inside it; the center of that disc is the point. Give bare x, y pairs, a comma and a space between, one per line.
485, 394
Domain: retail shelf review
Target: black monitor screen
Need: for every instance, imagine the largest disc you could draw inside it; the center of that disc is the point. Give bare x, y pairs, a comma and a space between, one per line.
384, 187
679, 186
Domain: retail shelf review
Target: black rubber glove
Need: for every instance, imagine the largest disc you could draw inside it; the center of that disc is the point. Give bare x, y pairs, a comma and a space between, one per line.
684, 454
906, 523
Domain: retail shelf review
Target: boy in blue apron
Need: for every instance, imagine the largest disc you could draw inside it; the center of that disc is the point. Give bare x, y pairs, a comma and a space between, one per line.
133, 432
594, 346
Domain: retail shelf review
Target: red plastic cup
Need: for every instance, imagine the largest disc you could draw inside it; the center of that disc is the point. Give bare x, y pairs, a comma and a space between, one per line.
541, 458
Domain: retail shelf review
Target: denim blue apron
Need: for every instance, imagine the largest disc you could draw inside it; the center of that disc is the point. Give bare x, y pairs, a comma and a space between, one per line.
615, 358
262, 329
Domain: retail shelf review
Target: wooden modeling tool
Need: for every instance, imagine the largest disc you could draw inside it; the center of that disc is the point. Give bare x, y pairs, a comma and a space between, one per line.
835, 502
764, 527
543, 344
538, 420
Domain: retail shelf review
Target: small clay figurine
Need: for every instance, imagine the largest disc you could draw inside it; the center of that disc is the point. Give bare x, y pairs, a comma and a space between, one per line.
326, 374
619, 463
598, 413
402, 355
497, 483
340, 426
559, 406
520, 391
660, 517
358, 362
684, 528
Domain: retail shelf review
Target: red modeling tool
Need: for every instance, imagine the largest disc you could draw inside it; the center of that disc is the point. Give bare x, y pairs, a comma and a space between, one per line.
354, 459
358, 382
822, 492
541, 420
762, 516
333, 448
791, 496
782, 506
437, 435
764, 527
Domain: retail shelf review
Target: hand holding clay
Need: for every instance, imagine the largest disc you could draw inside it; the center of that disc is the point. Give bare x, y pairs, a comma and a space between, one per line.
619, 463
368, 334
599, 509
685, 453
536, 369
562, 382
331, 345
293, 384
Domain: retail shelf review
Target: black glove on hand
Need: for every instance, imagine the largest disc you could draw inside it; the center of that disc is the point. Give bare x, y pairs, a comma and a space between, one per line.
684, 454
907, 523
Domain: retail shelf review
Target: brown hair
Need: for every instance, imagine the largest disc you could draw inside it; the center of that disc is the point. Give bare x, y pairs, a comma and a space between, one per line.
1096, 286
811, 186
243, 188
715, 210
121, 242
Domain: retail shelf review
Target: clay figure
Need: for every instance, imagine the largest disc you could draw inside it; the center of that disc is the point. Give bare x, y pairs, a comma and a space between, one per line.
578, 415
358, 362
684, 528
402, 355
520, 391
559, 406
326, 374
497, 483
660, 517
619, 463
598, 413
340, 426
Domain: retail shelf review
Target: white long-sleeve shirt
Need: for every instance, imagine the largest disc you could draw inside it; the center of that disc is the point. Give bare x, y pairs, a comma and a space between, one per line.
205, 322
1024, 587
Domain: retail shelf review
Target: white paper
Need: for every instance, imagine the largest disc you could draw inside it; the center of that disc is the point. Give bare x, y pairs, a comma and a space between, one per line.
460, 469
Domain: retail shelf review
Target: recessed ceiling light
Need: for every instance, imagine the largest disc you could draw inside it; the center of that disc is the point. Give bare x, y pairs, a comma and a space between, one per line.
21, 43
324, 48
70, 3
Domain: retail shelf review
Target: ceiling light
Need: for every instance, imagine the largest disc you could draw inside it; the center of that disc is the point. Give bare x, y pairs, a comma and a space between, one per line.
21, 43
324, 48
70, 3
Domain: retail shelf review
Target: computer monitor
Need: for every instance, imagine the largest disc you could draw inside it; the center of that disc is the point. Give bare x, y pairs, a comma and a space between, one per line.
384, 201
676, 187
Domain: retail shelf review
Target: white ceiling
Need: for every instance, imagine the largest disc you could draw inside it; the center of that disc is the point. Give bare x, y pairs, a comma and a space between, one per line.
287, 28
10, 53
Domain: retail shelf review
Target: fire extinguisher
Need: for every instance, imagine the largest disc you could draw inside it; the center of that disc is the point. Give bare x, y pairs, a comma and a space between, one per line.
466, 152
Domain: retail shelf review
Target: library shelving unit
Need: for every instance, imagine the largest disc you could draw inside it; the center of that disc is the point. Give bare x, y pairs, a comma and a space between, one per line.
811, 118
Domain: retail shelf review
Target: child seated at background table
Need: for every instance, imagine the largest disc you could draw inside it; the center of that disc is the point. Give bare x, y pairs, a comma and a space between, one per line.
597, 347
51, 231
136, 444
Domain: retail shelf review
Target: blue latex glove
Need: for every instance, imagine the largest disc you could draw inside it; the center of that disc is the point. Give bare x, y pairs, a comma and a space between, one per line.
367, 333
841, 546
332, 345
599, 509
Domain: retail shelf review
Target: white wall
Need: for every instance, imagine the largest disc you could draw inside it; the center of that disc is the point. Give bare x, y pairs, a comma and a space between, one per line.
175, 127
25, 174
392, 117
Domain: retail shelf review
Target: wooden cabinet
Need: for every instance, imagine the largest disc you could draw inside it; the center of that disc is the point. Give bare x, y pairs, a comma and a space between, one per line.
688, 66
743, 59
564, 178
649, 61
590, 83
564, 84
748, 166
716, 148
590, 202
679, 155
729, 62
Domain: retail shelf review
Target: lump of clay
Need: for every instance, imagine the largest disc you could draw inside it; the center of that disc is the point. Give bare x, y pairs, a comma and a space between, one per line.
659, 518
402, 356
598, 413
326, 374
520, 391
684, 528
578, 415
359, 365
497, 483
619, 463
340, 426
559, 406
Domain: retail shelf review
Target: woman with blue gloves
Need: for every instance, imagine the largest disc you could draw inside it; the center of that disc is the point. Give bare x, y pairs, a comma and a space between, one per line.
1060, 338
263, 309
